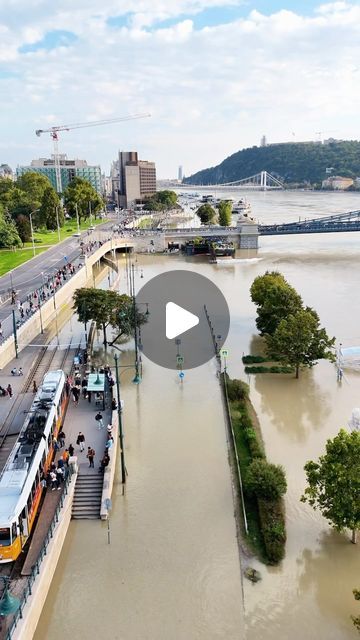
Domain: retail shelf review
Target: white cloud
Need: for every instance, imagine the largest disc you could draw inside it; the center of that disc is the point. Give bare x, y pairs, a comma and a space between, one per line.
210, 92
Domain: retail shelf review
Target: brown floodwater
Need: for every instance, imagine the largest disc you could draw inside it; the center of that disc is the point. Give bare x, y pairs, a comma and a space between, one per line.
172, 569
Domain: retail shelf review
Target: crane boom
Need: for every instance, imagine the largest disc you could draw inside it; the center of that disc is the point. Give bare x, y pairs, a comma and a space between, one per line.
79, 125
91, 123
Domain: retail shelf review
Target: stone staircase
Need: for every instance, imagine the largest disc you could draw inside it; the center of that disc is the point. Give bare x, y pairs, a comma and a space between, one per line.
87, 496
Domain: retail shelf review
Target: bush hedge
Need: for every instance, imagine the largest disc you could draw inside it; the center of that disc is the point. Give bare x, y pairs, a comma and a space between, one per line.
262, 481
251, 359
272, 520
267, 481
272, 369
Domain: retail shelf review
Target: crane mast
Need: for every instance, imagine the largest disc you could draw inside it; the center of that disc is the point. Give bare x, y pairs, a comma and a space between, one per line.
54, 131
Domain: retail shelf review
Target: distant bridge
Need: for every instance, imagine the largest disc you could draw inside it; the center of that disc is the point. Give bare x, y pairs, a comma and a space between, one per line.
262, 181
330, 224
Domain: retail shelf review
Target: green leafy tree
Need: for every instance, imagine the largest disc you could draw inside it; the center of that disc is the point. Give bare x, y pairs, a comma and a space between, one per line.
81, 194
34, 185
356, 619
50, 204
225, 210
334, 482
275, 298
107, 308
23, 228
300, 341
9, 236
206, 213
161, 201
266, 480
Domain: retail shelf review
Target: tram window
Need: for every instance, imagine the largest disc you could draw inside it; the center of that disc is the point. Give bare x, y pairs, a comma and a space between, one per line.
53, 426
49, 441
33, 490
29, 503
14, 531
43, 459
5, 536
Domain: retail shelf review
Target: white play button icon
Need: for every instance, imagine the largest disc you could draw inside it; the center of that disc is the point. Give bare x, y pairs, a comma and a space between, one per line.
178, 320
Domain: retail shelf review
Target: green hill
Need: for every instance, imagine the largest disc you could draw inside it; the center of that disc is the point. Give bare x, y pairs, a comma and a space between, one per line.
301, 162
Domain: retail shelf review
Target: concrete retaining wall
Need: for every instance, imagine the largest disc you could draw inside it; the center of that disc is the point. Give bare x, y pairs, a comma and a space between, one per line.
34, 605
109, 473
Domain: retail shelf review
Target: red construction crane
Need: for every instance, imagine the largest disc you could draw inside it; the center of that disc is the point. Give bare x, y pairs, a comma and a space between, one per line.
79, 125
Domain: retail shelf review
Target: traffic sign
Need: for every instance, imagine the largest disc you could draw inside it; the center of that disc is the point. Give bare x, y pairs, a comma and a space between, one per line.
224, 353
181, 375
179, 359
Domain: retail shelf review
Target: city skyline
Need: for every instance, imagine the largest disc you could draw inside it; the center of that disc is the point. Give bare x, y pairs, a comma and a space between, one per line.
215, 75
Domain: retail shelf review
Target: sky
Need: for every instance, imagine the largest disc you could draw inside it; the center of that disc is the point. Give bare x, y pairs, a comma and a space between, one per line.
215, 75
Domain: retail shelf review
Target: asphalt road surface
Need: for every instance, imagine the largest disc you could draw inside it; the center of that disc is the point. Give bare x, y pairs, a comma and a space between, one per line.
31, 275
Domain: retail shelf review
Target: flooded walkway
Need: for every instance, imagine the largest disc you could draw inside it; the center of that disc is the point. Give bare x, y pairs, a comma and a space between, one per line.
172, 568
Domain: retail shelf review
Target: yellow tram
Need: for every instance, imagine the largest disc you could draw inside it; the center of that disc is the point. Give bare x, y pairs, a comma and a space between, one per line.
20, 485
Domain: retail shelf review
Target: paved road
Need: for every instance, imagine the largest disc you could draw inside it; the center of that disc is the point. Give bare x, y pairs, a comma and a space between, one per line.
31, 275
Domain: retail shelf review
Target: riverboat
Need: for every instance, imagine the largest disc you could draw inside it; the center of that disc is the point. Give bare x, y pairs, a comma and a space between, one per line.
241, 208
21, 485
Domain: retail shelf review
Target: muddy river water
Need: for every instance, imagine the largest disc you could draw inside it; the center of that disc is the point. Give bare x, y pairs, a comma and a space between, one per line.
172, 570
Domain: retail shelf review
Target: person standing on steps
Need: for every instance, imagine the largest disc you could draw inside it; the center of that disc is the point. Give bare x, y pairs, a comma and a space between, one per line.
80, 441
90, 456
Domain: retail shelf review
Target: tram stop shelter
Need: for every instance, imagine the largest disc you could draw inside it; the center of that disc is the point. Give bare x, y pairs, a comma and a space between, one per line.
96, 384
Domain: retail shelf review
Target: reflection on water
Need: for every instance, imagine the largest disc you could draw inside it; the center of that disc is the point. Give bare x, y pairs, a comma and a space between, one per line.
172, 570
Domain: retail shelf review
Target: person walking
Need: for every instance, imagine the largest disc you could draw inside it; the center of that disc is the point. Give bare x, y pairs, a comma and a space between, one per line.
99, 420
90, 456
9, 390
65, 457
61, 438
59, 477
71, 450
76, 394
80, 441
53, 480
35, 387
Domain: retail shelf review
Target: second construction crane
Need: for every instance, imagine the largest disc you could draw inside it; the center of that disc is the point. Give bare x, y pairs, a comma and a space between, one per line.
54, 131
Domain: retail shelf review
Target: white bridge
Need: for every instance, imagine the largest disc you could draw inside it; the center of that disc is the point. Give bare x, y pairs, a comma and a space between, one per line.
262, 181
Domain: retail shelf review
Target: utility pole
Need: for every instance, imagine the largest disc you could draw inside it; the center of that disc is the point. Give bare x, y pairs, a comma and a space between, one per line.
77, 217
119, 410
137, 377
57, 222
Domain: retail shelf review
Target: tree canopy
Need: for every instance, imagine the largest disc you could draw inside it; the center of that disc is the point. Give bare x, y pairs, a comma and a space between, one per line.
334, 482
161, 201
225, 211
33, 194
275, 298
293, 163
206, 213
106, 308
299, 340
9, 236
81, 194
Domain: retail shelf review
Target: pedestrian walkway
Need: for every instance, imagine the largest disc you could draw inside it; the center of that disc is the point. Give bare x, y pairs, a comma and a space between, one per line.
81, 418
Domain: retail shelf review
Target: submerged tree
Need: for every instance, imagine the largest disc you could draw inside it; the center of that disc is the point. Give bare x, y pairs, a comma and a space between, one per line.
334, 482
225, 210
206, 213
275, 298
300, 341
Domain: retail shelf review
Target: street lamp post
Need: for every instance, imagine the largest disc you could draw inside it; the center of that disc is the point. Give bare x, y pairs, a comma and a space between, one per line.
119, 410
32, 232
77, 217
57, 222
137, 377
